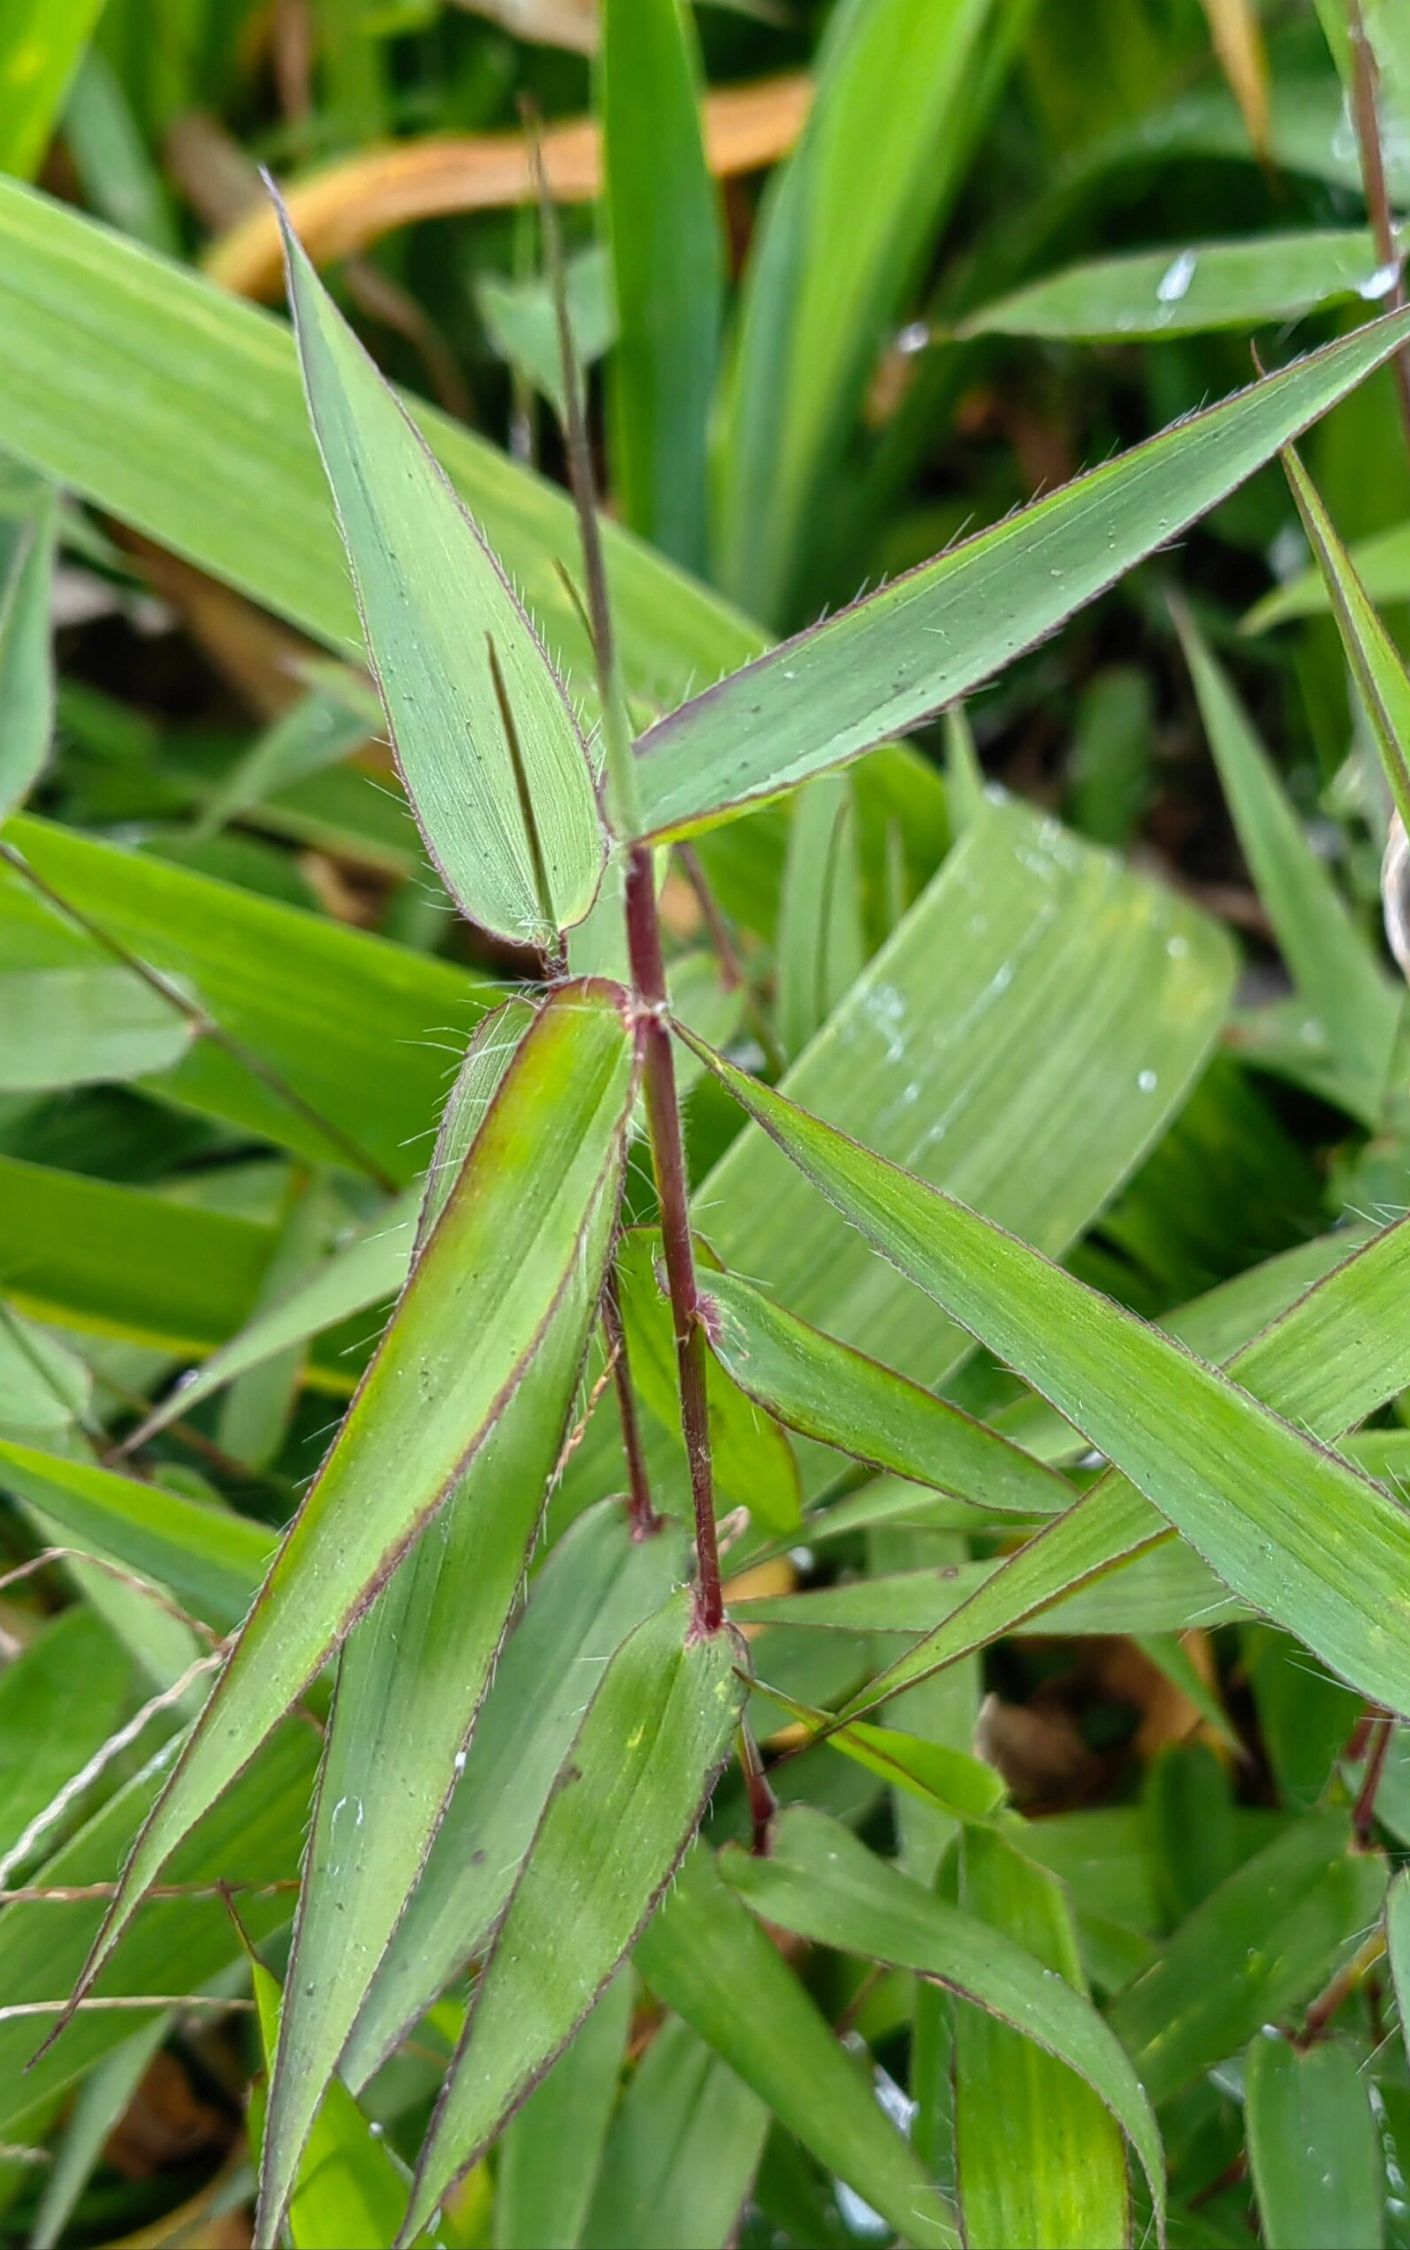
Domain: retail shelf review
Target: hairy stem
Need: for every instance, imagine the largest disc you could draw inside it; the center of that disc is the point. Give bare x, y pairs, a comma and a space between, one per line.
648, 967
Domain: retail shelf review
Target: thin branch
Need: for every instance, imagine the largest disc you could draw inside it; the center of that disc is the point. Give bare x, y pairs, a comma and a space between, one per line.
648, 966
641, 1508
1363, 1816
203, 1026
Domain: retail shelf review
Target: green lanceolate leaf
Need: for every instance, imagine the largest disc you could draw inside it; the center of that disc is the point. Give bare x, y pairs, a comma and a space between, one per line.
683, 2151
41, 44
820, 943
902, 87
825, 1390
597, 1586
351, 2190
414, 1673
472, 1319
1325, 1363
1332, 964
484, 733
551, 2151
318, 1005
74, 1027
623, 1809
1182, 292
1298, 1534
664, 225
1313, 2144
28, 545
957, 1784
1376, 664
1039, 2156
699, 1954
1266, 1940
930, 638
823, 1883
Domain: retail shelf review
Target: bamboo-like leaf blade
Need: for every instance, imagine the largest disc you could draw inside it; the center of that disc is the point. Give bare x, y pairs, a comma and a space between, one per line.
1298, 1534
504, 795
1313, 2145
410, 1684
930, 638
699, 1954
825, 1390
552, 2150
823, 1883
28, 549
547, 1156
1039, 2156
623, 1810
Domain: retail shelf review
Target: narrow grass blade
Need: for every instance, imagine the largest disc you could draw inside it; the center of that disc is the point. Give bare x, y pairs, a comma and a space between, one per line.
1398, 1946
550, 2155
28, 547
932, 636
623, 1810
820, 944
1313, 2145
1332, 964
41, 45
318, 1003
502, 787
1376, 664
1039, 2156
469, 1324
958, 1785
699, 1954
1188, 291
1293, 1531
76, 1027
684, 2148
1264, 1942
1325, 1363
827, 1391
668, 262
410, 1685
596, 1587
822, 1883
903, 85
351, 2193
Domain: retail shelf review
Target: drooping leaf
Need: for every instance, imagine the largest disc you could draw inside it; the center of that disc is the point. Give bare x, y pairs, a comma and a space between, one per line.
503, 791
623, 1809
1187, 291
825, 1390
931, 637
551, 2152
1313, 2145
664, 228
960, 1786
28, 544
1267, 1939
548, 1157
1333, 966
1296, 1533
821, 1882
1039, 2157
597, 1586
411, 1682
699, 1954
